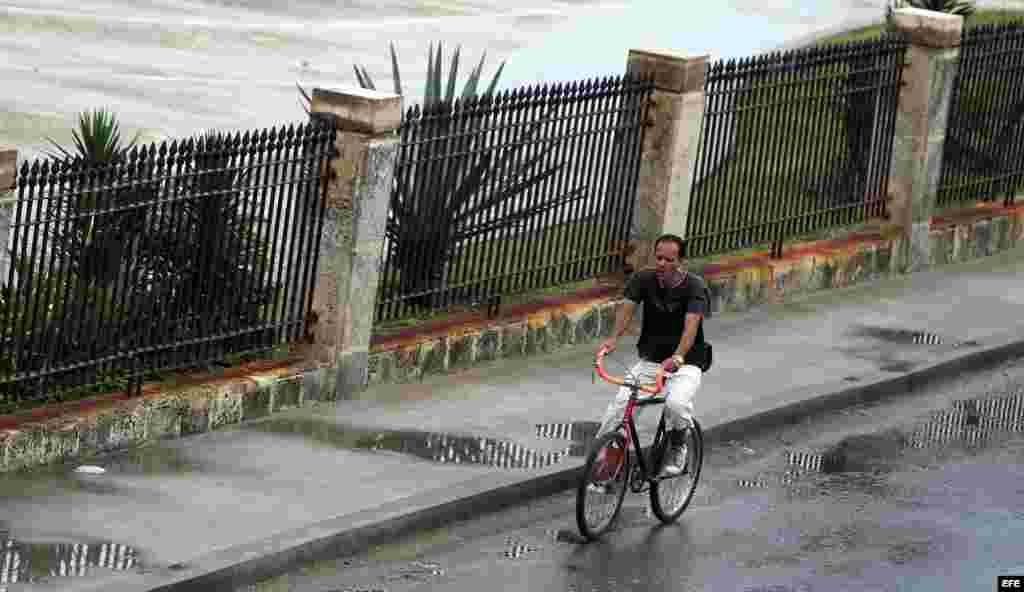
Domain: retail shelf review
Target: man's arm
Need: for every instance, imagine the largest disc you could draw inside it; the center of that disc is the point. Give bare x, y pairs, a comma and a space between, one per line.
625, 316
689, 334
621, 322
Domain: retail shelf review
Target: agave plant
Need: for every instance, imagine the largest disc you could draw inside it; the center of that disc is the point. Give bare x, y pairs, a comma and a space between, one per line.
445, 220
432, 90
435, 212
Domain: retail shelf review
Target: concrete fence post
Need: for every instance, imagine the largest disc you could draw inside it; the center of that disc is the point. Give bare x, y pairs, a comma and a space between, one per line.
8, 176
352, 243
669, 151
920, 132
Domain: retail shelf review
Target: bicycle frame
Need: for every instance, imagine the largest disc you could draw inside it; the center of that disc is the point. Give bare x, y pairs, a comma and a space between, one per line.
629, 426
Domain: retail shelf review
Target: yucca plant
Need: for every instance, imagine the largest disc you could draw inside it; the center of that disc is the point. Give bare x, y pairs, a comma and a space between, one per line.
97, 140
96, 244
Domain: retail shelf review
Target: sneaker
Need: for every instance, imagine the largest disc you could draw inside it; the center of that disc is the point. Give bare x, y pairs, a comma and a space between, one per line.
675, 461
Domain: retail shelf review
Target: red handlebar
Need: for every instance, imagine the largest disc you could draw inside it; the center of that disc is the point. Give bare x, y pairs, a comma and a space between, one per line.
599, 365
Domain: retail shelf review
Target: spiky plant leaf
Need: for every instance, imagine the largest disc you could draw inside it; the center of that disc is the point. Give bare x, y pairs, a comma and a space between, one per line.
494, 81
430, 75
97, 139
396, 77
369, 81
474, 78
452, 73
435, 83
309, 102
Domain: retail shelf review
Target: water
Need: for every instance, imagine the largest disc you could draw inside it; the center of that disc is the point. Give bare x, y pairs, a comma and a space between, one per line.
443, 448
171, 69
26, 562
862, 461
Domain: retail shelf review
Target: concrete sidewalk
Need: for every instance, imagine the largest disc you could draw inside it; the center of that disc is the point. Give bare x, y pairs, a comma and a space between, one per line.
307, 483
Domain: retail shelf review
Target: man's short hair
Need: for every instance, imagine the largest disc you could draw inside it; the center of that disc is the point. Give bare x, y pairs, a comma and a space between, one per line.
672, 239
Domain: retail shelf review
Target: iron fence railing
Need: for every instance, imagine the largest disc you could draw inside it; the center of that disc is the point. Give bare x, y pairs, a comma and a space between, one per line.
527, 189
983, 156
174, 256
794, 143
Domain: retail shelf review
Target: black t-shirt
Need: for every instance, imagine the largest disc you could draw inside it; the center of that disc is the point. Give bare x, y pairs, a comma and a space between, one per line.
664, 319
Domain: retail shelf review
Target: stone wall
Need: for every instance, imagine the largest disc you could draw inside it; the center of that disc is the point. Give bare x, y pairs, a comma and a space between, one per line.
75, 431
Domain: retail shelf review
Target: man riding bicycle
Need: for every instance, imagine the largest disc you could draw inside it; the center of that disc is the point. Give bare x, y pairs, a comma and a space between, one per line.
672, 337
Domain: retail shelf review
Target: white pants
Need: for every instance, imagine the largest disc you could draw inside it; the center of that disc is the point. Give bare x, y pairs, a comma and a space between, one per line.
681, 386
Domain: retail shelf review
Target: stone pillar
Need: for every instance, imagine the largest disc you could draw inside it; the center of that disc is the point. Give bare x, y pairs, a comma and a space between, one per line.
669, 152
8, 175
928, 77
8, 167
358, 195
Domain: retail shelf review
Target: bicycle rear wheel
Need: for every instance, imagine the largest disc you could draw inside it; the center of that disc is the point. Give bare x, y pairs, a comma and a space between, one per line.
671, 495
603, 486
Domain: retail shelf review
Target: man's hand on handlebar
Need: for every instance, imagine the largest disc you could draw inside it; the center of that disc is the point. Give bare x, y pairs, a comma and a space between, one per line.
609, 344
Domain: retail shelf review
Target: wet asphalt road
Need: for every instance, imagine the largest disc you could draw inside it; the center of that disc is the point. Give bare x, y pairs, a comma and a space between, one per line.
916, 493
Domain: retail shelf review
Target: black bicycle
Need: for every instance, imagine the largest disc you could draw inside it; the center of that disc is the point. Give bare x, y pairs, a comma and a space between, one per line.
609, 468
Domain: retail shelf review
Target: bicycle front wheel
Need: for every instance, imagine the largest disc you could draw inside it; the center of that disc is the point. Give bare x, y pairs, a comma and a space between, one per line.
603, 486
671, 495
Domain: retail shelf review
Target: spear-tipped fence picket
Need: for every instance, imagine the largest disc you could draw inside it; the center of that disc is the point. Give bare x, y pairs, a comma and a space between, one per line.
174, 256
983, 155
794, 143
527, 189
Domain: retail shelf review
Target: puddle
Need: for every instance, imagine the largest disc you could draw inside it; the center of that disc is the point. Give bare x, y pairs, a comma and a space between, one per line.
516, 550
148, 460
419, 571
581, 433
862, 463
907, 337
971, 421
27, 562
899, 366
431, 446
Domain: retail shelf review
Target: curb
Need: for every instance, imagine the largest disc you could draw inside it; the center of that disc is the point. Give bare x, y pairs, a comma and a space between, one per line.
349, 534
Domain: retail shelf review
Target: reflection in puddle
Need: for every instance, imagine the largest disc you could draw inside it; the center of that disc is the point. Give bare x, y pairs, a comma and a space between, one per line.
516, 549
582, 433
432, 446
861, 462
418, 571
30, 562
753, 484
972, 421
905, 337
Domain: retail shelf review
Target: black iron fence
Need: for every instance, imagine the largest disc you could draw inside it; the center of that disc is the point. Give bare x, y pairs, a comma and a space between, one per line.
793, 143
528, 189
172, 256
983, 157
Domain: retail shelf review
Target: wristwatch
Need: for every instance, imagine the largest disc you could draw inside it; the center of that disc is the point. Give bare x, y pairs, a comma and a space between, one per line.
678, 359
